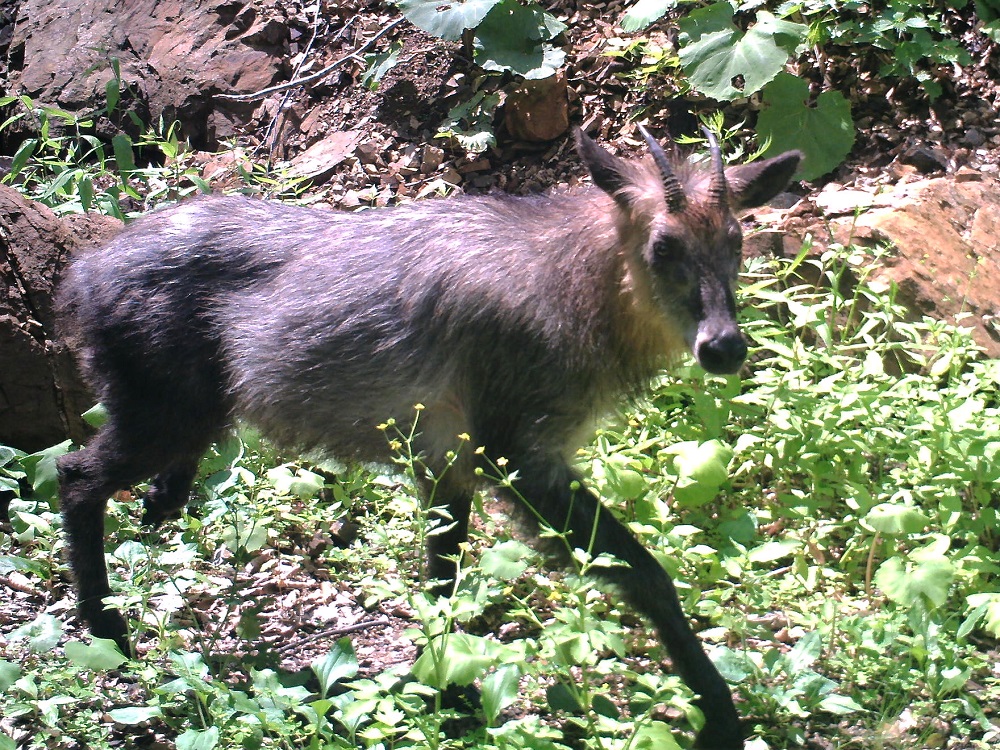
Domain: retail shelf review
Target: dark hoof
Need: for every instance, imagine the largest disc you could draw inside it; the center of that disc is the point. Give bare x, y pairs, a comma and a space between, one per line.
718, 738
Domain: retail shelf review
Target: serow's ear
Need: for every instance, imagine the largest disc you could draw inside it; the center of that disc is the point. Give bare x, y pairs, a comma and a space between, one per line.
607, 170
756, 183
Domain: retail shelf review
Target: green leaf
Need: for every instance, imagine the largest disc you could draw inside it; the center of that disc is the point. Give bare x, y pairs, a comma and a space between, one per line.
654, 735
622, 480
715, 54
805, 652
121, 144
112, 95
24, 152
986, 609
43, 633
823, 132
133, 715
702, 468
733, 665
772, 551
199, 739
376, 66
303, 484
101, 655
893, 519
603, 706
506, 560
96, 415
340, 663
446, 19
456, 659
471, 123
644, 12
838, 705
42, 471
9, 674
561, 698
499, 690
905, 583
513, 37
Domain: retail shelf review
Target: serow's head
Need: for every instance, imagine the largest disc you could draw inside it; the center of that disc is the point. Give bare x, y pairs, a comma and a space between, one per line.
681, 219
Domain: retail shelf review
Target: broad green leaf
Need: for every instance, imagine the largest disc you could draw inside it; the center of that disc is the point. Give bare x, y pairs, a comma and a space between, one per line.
42, 471
499, 690
823, 132
603, 706
769, 552
9, 674
100, 655
471, 123
133, 715
715, 54
506, 560
96, 415
905, 582
303, 484
446, 19
456, 659
42, 634
806, 651
732, 665
838, 705
644, 12
199, 739
561, 698
340, 663
654, 735
893, 519
513, 37
702, 468
623, 480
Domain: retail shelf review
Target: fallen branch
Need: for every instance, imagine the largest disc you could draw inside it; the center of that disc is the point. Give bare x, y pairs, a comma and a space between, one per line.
312, 76
334, 632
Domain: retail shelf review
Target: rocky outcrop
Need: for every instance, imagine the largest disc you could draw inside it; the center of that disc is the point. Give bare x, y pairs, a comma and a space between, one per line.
41, 394
175, 56
944, 240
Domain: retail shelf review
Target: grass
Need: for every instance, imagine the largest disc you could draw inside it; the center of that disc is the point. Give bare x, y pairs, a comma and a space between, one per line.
831, 521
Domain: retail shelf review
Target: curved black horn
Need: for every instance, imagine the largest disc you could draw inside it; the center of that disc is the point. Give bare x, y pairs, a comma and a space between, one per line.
718, 190
672, 188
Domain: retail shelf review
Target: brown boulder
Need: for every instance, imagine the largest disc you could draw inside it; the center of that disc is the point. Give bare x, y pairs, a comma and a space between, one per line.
944, 239
174, 56
41, 394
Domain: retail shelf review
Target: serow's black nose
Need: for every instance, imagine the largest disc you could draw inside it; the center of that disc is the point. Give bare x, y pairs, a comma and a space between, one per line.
722, 353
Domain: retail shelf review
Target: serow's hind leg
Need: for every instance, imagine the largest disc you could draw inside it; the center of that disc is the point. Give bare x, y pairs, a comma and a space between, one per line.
646, 587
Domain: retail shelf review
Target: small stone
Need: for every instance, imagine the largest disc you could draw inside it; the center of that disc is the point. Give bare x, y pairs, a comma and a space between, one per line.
431, 159
974, 137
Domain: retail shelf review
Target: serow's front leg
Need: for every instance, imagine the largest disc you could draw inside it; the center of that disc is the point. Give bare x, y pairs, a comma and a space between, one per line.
643, 583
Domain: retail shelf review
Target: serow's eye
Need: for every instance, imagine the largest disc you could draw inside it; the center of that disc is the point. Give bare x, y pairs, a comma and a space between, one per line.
669, 248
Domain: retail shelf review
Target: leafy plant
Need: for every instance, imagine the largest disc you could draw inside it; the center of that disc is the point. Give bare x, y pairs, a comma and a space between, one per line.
507, 36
